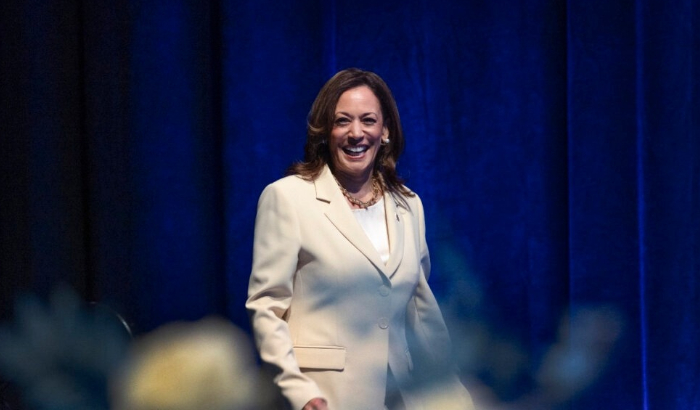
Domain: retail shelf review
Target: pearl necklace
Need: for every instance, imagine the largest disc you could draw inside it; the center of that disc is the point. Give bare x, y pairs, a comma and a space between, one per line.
376, 190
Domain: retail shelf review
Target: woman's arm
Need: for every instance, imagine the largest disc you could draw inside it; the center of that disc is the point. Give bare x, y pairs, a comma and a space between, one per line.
430, 339
275, 252
430, 343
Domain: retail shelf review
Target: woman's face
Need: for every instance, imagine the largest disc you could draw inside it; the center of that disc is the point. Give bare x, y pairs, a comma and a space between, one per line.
358, 129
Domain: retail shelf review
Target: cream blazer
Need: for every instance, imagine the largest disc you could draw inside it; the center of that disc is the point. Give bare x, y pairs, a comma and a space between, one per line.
328, 315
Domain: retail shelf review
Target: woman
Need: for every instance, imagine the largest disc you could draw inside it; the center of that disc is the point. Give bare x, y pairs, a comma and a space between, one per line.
338, 295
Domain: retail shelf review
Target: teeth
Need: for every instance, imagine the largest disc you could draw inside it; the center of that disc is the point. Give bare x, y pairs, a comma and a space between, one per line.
356, 150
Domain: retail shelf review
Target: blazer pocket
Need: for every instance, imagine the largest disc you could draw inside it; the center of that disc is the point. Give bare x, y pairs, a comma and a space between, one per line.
320, 357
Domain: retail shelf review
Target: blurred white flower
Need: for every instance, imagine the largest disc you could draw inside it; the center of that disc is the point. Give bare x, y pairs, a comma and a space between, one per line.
201, 365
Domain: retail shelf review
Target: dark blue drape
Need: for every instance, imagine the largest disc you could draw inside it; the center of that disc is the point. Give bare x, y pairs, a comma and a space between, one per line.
555, 146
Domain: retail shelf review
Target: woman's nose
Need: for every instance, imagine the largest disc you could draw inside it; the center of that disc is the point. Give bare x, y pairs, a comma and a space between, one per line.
356, 129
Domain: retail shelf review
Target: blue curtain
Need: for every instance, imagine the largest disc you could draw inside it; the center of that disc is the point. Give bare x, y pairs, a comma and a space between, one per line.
555, 145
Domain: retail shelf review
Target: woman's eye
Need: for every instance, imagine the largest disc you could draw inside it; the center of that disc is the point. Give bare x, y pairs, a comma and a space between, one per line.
341, 121
369, 121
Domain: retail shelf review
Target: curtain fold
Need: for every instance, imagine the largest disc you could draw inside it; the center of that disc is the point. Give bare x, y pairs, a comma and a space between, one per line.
555, 146
43, 212
604, 219
175, 163
669, 207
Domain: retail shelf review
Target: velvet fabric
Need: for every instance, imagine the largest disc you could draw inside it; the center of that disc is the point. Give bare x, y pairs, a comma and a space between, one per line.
555, 145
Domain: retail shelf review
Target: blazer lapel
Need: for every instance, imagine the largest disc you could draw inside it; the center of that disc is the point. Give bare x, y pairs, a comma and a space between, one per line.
340, 215
395, 227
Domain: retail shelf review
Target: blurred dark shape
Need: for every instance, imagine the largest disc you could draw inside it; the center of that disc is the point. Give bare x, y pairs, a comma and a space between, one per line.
60, 354
499, 369
108, 313
586, 339
9, 396
505, 377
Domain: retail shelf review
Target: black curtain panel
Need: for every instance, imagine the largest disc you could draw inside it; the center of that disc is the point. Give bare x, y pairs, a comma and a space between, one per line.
555, 145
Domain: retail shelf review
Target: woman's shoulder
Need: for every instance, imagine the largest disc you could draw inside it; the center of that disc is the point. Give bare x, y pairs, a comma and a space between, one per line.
408, 198
409, 194
291, 184
290, 181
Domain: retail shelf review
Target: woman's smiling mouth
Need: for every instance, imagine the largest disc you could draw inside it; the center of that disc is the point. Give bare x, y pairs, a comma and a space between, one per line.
355, 151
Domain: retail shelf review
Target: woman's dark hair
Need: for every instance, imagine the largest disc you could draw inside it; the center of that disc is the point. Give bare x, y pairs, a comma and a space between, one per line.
320, 124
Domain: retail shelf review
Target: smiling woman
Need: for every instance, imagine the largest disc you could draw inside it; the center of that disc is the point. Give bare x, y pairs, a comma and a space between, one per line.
338, 296
355, 140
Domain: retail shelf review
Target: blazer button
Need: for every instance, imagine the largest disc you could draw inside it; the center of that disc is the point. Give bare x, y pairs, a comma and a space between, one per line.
383, 323
384, 290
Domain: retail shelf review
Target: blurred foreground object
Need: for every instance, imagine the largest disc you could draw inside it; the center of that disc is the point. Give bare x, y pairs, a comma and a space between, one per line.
184, 366
60, 354
587, 337
504, 371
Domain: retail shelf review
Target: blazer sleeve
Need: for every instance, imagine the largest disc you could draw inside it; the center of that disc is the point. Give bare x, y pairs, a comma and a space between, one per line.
430, 339
275, 256
428, 336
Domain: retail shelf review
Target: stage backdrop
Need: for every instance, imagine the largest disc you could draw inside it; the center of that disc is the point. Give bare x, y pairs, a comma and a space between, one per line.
554, 143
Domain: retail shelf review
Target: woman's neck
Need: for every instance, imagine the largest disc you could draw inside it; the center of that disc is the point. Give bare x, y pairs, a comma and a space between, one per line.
359, 186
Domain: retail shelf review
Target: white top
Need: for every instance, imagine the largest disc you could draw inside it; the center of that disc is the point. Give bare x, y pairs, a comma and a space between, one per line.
373, 222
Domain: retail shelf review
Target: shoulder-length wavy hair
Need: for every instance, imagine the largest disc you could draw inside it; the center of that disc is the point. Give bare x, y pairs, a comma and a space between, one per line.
320, 124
